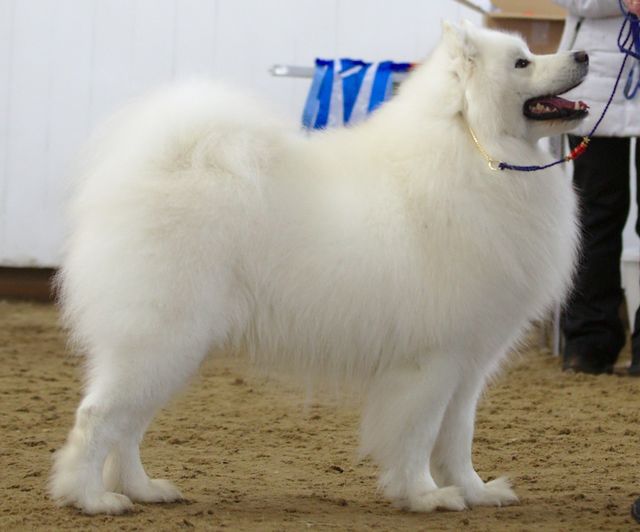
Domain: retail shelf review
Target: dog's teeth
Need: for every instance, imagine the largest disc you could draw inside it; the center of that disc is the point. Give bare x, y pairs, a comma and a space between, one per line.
540, 108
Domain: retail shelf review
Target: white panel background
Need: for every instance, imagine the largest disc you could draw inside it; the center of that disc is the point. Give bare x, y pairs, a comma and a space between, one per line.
66, 64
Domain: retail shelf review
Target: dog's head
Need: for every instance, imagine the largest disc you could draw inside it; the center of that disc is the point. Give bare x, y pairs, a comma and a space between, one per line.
510, 90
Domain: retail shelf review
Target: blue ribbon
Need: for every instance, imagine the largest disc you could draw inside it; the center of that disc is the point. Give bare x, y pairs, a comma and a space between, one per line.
324, 96
383, 82
316, 108
380, 85
352, 83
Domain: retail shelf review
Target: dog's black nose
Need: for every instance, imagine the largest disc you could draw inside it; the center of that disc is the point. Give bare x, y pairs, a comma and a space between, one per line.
581, 57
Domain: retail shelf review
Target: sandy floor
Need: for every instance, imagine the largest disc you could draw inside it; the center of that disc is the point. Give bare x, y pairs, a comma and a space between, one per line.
249, 456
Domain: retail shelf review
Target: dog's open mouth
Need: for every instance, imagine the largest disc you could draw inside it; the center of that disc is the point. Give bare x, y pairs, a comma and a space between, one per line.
554, 108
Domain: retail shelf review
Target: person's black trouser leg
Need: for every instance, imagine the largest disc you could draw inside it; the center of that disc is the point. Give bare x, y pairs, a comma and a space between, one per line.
635, 338
593, 331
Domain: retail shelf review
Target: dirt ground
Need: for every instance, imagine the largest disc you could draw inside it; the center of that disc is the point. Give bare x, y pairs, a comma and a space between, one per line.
249, 455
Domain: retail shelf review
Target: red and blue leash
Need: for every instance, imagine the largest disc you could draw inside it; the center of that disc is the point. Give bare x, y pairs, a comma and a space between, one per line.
626, 46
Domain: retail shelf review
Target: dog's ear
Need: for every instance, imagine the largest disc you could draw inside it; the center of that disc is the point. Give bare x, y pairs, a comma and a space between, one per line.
460, 42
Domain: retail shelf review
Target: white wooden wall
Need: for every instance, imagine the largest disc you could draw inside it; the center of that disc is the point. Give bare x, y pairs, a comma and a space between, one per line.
65, 64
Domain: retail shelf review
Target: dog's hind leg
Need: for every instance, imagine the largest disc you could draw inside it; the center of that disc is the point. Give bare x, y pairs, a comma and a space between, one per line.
124, 391
401, 421
452, 463
77, 470
136, 362
124, 472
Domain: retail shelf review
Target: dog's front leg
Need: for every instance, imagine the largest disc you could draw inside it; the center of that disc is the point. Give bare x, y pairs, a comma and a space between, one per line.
452, 462
400, 425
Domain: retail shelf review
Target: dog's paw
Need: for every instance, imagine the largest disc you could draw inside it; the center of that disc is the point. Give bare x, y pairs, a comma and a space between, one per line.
496, 492
449, 498
154, 490
105, 503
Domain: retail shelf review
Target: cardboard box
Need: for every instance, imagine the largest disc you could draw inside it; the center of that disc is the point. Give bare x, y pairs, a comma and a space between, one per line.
540, 22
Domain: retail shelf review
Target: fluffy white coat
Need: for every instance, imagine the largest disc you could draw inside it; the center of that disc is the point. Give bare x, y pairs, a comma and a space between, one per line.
388, 256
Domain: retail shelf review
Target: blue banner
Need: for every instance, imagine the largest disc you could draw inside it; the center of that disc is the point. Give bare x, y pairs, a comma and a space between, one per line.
343, 93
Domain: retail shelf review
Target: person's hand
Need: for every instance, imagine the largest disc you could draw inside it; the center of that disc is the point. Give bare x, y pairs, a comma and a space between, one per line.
633, 6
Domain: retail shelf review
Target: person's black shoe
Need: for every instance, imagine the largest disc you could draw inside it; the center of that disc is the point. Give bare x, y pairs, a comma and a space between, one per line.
635, 510
634, 368
580, 364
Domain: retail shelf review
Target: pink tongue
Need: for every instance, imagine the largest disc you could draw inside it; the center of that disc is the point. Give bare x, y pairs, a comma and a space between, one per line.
558, 103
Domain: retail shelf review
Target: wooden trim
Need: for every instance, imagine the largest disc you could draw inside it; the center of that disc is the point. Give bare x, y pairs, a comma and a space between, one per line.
27, 283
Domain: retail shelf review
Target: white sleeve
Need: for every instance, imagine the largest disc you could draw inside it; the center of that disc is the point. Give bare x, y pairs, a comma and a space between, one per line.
591, 8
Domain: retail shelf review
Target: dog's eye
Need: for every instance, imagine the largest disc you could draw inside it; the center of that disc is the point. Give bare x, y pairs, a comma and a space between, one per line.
522, 63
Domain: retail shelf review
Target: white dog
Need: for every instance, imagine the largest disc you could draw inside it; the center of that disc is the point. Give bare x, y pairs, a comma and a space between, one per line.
389, 256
